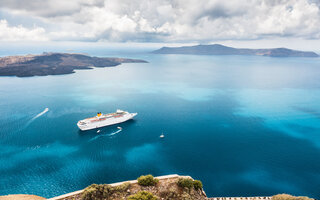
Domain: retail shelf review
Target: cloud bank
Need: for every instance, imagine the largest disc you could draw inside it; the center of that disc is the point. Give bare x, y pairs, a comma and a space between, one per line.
158, 20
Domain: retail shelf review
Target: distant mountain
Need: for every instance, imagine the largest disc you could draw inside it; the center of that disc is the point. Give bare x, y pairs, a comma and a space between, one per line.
55, 64
217, 49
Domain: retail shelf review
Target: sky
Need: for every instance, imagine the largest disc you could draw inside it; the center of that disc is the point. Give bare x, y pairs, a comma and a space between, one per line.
236, 22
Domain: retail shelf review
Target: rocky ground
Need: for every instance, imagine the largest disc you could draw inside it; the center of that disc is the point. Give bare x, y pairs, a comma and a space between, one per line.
21, 197
166, 189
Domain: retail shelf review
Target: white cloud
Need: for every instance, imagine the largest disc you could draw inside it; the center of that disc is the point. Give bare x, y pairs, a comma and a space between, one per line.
171, 21
19, 33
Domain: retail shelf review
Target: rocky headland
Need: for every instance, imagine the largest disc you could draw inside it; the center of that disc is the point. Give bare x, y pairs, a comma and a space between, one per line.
170, 187
217, 49
55, 64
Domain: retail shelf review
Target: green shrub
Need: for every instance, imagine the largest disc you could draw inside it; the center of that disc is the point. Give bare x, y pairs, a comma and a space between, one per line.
121, 188
189, 183
96, 192
197, 185
185, 183
143, 195
103, 191
288, 197
147, 180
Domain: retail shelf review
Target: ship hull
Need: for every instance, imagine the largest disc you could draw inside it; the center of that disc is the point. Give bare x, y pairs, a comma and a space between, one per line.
107, 122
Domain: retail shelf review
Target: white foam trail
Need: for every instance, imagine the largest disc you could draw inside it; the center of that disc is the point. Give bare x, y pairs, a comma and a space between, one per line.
32, 148
40, 114
118, 131
35, 117
102, 135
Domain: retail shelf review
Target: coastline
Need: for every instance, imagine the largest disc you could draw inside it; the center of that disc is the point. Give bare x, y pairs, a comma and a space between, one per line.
166, 186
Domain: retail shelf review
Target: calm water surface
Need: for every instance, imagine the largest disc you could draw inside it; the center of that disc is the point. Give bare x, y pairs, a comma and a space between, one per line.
244, 125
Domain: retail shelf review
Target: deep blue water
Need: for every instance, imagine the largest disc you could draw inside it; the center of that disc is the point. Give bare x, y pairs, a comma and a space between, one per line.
244, 125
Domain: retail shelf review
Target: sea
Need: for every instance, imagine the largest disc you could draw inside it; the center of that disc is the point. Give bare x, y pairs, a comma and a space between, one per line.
243, 125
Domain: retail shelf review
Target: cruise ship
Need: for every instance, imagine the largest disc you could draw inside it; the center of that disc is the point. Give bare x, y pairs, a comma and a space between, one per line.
101, 120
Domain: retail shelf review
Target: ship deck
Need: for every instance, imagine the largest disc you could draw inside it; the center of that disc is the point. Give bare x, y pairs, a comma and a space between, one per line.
102, 117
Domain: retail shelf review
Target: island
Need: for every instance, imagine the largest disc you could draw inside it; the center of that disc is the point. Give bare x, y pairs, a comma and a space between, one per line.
218, 49
55, 64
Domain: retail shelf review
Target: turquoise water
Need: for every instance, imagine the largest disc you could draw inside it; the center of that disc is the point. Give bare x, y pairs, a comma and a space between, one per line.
244, 125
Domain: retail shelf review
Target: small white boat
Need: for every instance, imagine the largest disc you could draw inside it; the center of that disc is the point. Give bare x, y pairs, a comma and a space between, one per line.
119, 128
98, 131
162, 136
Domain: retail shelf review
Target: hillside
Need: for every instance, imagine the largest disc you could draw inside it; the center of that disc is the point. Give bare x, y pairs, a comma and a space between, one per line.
55, 64
217, 49
170, 187
164, 187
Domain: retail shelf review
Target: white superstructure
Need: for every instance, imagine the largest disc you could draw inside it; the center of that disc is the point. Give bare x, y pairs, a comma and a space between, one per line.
102, 120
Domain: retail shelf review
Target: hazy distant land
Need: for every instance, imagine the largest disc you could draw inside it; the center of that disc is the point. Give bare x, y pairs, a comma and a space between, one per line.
55, 64
217, 49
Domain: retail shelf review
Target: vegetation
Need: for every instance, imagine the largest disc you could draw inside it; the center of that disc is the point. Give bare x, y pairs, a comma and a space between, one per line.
103, 191
96, 192
288, 197
197, 185
189, 183
147, 180
176, 188
185, 183
143, 195
170, 194
121, 188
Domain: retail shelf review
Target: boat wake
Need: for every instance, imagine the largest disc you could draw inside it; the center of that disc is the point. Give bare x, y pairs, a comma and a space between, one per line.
35, 117
118, 131
106, 135
33, 148
40, 114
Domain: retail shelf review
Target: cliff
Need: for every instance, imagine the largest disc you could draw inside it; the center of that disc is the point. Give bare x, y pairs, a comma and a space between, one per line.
166, 188
170, 187
55, 64
217, 49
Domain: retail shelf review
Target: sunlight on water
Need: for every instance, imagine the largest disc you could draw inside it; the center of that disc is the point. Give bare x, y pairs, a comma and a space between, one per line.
229, 121
292, 111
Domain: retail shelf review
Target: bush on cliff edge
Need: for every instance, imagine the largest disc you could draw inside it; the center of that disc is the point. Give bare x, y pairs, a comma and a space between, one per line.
189, 183
197, 185
96, 192
185, 183
147, 180
103, 191
288, 197
143, 195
